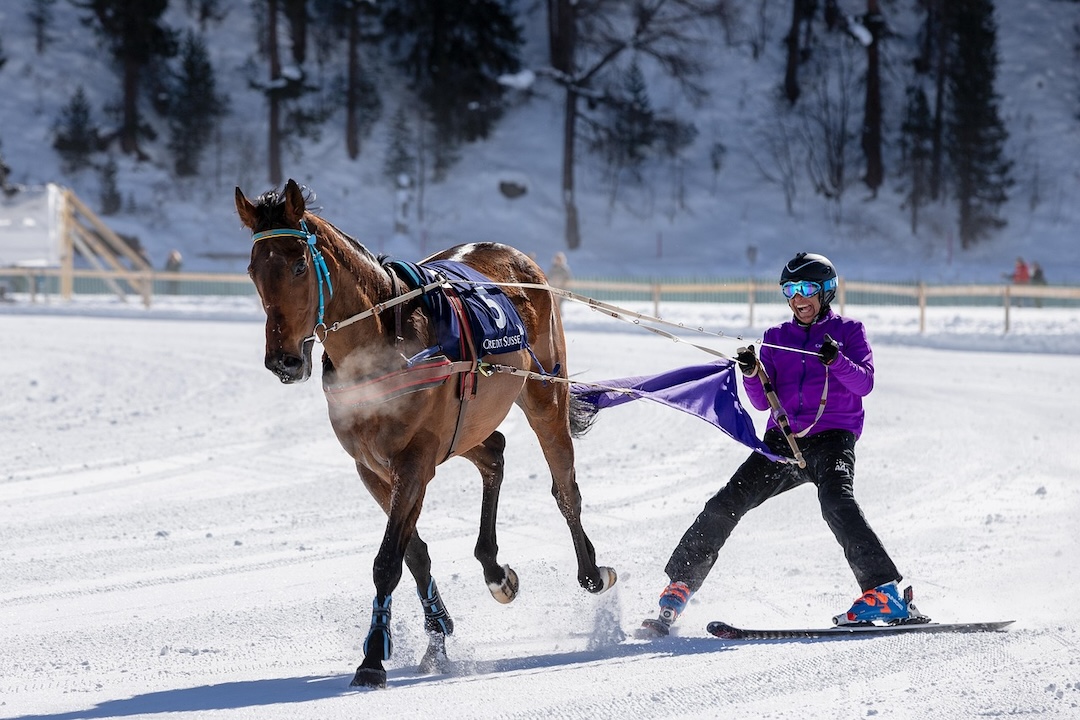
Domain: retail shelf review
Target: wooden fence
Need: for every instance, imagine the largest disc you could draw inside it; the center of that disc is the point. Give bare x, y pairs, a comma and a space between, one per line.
918, 295
146, 284
112, 264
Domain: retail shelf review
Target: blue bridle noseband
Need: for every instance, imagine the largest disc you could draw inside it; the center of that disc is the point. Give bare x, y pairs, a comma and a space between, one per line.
322, 273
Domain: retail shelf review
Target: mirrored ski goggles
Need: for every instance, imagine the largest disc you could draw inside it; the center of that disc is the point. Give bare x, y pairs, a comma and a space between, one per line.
806, 288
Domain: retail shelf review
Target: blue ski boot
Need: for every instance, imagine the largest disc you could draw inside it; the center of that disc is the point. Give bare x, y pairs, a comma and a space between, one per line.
882, 605
672, 602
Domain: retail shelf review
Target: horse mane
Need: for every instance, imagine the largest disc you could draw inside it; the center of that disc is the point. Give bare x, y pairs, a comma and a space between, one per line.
271, 208
349, 239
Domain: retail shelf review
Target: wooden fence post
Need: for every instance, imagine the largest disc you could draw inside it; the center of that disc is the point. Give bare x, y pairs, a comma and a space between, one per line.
750, 293
67, 245
922, 308
1008, 304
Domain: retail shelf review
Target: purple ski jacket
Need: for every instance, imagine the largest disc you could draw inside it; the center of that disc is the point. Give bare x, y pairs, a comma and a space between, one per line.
799, 379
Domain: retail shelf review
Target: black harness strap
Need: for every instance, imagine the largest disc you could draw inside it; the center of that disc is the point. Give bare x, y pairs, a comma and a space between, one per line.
467, 380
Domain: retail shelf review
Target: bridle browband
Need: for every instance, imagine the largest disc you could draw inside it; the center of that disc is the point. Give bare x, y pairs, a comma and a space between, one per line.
322, 273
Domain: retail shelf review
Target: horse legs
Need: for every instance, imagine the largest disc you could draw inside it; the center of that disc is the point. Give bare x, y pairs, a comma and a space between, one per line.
501, 580
402, 513
546, 408
437, 621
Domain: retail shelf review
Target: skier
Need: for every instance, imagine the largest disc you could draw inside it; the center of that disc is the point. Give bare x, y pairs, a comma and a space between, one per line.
820, 382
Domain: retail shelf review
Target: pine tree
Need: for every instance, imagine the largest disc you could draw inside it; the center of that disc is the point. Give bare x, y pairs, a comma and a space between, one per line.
634, 127
975, 134
453, 54
195, 106
136, 38
76, 135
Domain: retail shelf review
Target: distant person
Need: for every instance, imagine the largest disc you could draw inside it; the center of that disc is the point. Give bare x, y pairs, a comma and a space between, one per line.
1037, 278
822, 392
5, 171
403, 196
173, 263
1020, 275
559, 275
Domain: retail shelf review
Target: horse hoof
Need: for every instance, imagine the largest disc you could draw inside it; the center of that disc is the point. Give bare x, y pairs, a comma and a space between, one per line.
435, 660
369, 678
608, 578
507, 590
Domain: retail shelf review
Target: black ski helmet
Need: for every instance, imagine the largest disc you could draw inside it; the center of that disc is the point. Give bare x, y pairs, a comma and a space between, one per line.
816, 268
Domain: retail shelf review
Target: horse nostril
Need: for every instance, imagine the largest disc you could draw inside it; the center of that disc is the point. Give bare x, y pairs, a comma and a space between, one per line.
285, 365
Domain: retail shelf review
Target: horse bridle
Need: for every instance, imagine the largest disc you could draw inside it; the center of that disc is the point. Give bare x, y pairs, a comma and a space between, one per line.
322, 273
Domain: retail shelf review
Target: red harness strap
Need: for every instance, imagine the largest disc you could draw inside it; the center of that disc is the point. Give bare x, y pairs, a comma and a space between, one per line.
400, 382
419, 377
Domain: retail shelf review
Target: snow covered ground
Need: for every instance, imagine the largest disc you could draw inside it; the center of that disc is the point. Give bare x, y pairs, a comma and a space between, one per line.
181, 536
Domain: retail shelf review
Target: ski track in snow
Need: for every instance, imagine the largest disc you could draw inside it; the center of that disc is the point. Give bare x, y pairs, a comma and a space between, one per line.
182, 536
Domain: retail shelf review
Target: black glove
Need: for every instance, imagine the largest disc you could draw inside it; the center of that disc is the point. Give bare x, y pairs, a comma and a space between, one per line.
747, 360
829, 350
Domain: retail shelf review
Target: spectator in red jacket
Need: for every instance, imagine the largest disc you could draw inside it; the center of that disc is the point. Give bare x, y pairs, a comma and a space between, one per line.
1020, 274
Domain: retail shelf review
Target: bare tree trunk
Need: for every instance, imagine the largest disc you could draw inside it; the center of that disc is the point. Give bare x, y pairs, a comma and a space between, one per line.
129, 131
871, 134
274, 139
573, 227
422, 130
352, 122
791, 67
826, 118
296, 12
562, 41
937, 141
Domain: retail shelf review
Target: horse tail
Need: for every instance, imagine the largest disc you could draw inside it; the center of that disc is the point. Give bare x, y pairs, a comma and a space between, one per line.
582, 413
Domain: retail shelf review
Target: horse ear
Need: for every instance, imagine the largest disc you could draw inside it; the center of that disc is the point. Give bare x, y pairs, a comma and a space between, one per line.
245, 209
294, 202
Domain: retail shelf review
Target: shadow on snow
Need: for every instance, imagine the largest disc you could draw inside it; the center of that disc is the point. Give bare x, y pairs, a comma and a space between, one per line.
257, 693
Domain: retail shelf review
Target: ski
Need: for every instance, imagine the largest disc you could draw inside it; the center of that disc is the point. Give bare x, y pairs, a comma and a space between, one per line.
730, 632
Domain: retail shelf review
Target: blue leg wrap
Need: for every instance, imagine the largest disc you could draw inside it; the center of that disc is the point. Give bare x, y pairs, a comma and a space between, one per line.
379, 635
436, 618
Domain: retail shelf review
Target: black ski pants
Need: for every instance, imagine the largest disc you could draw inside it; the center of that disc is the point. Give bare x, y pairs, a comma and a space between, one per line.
830, 466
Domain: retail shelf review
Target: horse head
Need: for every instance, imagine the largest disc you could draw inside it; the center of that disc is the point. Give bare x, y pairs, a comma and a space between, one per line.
288, 273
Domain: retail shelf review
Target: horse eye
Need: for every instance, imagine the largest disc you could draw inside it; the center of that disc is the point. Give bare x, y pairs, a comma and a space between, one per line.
300, 267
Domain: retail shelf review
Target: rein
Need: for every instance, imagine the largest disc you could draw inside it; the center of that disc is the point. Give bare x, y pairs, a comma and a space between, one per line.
375, 390
439, 281
637, 318
642, 320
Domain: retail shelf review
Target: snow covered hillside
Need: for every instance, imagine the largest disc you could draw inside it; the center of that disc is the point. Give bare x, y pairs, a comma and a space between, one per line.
734, 223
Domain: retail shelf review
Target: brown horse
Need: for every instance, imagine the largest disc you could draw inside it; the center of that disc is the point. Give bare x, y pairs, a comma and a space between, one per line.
400, 419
